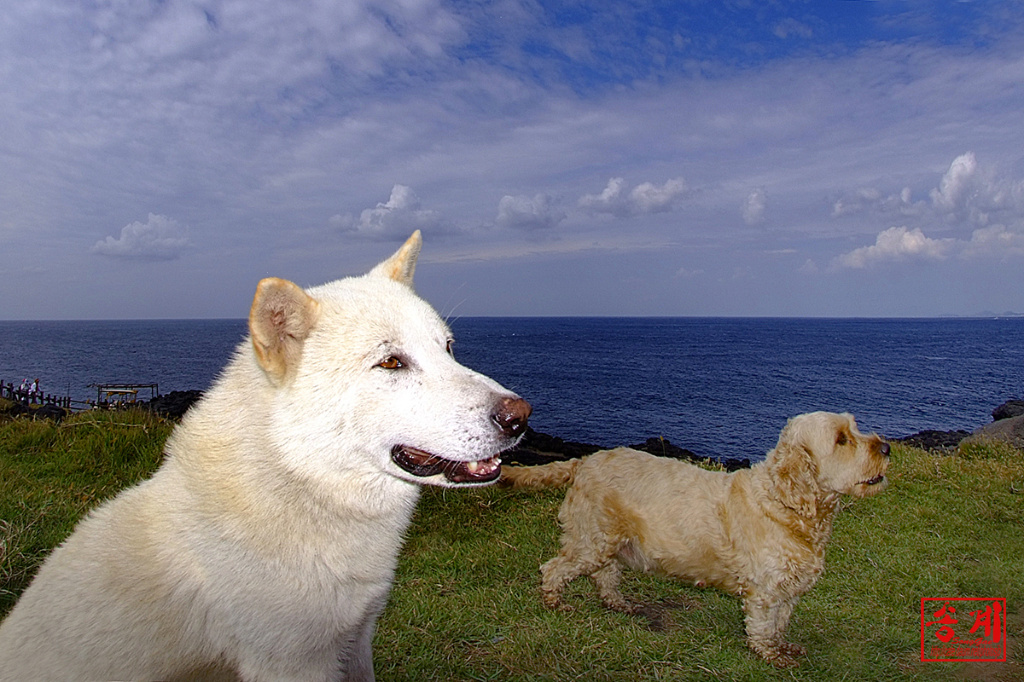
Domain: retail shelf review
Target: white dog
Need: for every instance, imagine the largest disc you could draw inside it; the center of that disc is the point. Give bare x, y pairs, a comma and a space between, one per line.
265, 545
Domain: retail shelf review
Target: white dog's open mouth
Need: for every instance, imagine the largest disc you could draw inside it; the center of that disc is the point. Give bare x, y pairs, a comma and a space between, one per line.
422, 464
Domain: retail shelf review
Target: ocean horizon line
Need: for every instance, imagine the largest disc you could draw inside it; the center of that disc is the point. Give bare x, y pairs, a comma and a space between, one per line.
919, 318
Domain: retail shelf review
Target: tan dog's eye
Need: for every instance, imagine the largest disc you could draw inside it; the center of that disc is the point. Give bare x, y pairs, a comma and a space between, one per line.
841, 439
391, 362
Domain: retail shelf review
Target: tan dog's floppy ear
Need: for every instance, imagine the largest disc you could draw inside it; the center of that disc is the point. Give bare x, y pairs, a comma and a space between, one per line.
401, 266
795, 476
280, 319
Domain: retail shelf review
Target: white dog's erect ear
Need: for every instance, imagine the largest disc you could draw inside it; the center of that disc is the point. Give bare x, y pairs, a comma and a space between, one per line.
280, 319
401, 266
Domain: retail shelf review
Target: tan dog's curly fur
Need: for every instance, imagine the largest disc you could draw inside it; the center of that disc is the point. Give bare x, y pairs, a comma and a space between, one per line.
757, 533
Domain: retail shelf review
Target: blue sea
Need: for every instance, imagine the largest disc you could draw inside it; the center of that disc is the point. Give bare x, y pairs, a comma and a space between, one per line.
721, 387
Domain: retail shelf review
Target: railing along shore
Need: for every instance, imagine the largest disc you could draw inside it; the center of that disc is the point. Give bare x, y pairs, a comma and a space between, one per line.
27, 396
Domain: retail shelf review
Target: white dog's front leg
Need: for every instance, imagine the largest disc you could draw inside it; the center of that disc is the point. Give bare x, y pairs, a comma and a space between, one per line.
359, 666
349, 659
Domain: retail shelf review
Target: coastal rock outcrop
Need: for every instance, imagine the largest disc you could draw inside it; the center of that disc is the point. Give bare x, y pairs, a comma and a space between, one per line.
1007, 426
1009, 430
49, 411
930, 439
1008, 410
46, 411
175, 404
537, 448
17, 409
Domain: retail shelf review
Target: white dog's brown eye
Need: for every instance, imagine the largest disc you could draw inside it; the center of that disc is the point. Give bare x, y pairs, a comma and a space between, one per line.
448, 347
391, 362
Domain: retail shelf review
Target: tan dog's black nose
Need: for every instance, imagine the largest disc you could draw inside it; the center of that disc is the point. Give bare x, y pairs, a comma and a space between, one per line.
511, 415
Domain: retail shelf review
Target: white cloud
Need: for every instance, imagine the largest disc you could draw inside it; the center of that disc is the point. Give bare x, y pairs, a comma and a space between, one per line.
753, 207
968, 196
159, 238
645, 198
525, 213
982, 210
954, 188
649, 198
897, 243
992, 243
996, 241
610, 200
397, 217
251, 116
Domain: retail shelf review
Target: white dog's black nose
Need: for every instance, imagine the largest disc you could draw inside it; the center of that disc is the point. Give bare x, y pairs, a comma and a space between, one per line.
511, 414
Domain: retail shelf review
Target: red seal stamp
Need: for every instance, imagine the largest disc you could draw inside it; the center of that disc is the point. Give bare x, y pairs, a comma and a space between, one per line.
955, 629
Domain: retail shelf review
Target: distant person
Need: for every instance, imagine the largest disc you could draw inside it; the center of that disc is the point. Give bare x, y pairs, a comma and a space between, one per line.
34, 391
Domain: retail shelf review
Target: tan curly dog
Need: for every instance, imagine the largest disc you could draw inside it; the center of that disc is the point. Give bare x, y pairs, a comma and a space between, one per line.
757, 533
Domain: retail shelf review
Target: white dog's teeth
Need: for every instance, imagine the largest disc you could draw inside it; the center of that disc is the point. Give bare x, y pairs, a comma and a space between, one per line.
473, 466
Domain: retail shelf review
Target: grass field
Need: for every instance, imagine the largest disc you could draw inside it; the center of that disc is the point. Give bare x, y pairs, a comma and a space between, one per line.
465, 605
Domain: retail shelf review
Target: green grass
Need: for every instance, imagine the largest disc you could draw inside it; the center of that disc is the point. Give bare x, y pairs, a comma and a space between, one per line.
465, 605
51, 474
466, 602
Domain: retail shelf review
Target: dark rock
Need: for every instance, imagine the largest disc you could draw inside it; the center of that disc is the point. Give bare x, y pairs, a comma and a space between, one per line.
733, 463
49, 411
17, 409
175, 404
933, 440
1011, 408
539, 448
663, 448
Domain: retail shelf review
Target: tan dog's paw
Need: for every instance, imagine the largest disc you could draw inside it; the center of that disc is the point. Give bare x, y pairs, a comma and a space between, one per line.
791, 649
781, 655
786, 655
555, 603
621, 604
783, 661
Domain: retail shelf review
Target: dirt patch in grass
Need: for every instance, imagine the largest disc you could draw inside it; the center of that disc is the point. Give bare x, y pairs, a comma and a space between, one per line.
660, 615
1010, 670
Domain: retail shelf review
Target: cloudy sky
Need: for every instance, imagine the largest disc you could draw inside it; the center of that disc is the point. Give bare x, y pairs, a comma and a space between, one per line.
819, 158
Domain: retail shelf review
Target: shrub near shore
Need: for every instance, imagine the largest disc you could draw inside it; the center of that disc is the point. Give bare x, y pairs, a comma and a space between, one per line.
466, 603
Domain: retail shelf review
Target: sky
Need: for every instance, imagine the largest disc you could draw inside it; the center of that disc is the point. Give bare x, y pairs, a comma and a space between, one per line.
827, 158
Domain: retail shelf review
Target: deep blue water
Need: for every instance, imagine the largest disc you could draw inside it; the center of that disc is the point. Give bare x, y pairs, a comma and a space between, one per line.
718, 386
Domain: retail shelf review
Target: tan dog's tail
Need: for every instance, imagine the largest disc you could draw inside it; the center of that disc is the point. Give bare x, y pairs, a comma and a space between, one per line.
553, 475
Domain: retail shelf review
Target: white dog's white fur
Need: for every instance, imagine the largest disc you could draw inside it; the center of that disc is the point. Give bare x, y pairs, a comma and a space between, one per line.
265, 545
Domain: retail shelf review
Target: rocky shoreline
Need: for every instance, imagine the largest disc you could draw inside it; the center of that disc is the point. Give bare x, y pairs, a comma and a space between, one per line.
1007, 425
539, 448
